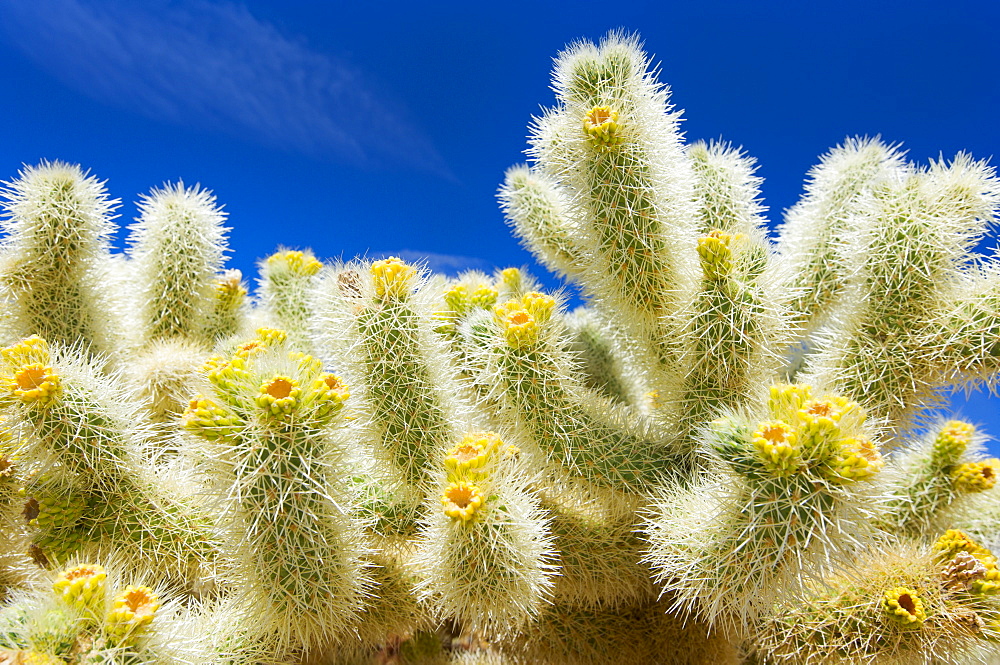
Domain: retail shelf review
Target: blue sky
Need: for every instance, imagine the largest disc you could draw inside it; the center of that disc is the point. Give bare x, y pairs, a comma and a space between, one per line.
386, 127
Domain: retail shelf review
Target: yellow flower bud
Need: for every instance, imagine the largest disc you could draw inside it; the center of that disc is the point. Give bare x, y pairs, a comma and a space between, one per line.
82, 586
976, 476
484, 297
716, 253
328, 392
34, 349
520, 328
457, 298
393, 278
775, 441
539, 305
786, 400
295, 262
206, 418
857, 459
953, 439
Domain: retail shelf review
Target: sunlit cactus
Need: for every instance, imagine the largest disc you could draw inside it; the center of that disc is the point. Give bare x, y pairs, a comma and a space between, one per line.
177, 247
267, 418
730, 452
56, 257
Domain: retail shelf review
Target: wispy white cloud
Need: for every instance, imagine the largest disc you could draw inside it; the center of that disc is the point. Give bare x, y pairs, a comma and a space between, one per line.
214, 65
448, 264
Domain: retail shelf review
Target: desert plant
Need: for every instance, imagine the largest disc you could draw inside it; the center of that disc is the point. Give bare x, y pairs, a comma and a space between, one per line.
718, 458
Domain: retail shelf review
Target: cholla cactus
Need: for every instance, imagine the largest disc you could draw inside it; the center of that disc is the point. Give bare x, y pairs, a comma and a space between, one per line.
403, 467
56, 257
177, 248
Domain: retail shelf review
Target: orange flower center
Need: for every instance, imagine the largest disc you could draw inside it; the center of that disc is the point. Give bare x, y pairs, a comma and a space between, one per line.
460, 495
820, 409
774, 434
80, 571
465, 452
31, 377
599, 115
279, 388
139, 601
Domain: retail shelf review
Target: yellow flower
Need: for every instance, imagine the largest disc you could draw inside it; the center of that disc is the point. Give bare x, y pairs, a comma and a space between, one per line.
461, 500
716, 253
393, 278
520, 327
775, 441
511, 282
457, 298
539, 305
953, 439
271, 336
36, 384
227, 375
976, 476
602, 128
34, 349
954, 541
208, 419
295, 262
484, 297
904, 607
35, 658
329, 394
131, 612
279, 396
786, 400
858, 459
82, 586
468, 458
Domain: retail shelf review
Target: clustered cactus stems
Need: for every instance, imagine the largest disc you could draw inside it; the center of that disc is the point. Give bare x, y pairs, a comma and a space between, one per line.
714, 460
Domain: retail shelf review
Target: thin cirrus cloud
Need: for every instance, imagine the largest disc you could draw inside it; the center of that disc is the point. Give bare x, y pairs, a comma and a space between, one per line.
447, 264
215, 66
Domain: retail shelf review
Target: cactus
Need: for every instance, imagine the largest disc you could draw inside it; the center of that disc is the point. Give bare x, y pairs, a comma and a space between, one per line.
718, 458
